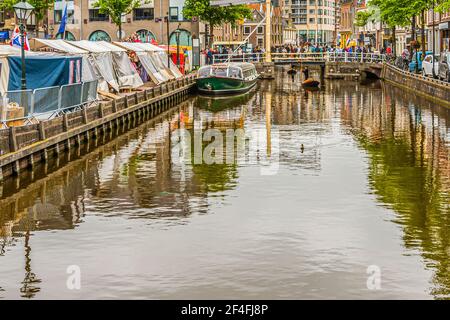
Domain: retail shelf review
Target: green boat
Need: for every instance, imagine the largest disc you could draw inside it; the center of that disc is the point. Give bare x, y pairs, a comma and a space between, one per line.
227, 78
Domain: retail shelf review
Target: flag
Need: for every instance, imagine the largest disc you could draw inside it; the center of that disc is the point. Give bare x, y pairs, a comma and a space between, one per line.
62, 26
15, 39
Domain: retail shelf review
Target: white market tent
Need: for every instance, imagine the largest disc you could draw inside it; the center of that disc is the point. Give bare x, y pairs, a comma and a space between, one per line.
59, 47
152, 70
127, 74
149, 55
101, 59
5, 51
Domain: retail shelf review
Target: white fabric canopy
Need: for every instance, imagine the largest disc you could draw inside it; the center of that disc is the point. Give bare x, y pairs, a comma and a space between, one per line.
115, 62
100, 58
91, 46
157, 60
144, 55
127, 74
57, 44
139, 46
150, 67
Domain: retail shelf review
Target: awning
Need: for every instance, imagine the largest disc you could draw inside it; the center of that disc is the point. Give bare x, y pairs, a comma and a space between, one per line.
58, 44
138, 46
91, 46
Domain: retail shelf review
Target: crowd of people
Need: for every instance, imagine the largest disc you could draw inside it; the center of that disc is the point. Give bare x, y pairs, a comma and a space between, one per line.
225, 51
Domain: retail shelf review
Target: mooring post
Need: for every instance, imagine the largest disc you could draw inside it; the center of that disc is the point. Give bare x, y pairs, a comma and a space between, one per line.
65, 122
114, 106
41, 128
12, 139
84, 115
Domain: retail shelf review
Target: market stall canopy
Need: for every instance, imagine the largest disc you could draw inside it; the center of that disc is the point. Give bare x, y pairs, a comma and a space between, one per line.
139, 46
7, 50
126, 73
111, 46
91, 46
154, 70
58, 44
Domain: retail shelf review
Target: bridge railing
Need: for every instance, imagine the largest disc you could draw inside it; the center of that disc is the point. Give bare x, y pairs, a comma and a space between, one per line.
283, 57
298, 56
356, 57
235, 57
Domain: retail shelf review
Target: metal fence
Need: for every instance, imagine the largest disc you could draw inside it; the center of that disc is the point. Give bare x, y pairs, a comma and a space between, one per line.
290, 57
235, 57
45, 103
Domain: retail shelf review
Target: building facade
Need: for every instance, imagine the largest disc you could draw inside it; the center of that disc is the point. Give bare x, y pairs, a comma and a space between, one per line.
149, 21
315, 20
252, 31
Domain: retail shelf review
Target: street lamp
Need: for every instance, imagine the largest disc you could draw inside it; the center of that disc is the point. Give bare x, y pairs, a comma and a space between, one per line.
23, 11
177, 37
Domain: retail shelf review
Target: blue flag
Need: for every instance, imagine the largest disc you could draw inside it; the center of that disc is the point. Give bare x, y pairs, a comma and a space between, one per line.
62, 26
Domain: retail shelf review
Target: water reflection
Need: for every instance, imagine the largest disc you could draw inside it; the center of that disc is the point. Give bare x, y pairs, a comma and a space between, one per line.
409, 170
400, 143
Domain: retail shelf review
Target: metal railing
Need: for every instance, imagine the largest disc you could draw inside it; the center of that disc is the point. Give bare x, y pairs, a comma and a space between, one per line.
235, 57
355, 57
49, 102
298, 56
280, 57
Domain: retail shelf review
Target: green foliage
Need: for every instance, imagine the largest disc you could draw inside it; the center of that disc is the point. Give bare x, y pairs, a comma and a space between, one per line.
443, 6
362, 17
215, 16
394, 12
40, 6
116, 8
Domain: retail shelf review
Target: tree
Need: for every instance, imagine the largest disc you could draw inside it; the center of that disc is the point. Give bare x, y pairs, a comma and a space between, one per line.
443, 6
362, 18
116, 9
213, 15
40, 8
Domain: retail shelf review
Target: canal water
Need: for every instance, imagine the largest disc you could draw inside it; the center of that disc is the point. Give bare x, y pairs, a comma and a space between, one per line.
344, 194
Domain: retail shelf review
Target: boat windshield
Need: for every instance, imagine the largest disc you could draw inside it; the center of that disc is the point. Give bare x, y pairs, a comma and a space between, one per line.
204, 72
234, 72
219, 72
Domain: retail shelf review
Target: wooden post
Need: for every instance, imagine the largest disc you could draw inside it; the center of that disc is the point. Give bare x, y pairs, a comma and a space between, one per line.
84, 115
114, 106
41, 128
65, 123
101, 112
12, 139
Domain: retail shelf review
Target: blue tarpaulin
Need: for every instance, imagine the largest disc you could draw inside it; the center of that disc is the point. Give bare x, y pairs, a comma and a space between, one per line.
44, 72
4, 35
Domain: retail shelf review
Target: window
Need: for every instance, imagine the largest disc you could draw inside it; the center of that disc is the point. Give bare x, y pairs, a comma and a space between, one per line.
99, 35
69, 36
260, 30
247, 29
144, 14
260, 42
145, 35
59, 13
311, 20
173, 13
95, 15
